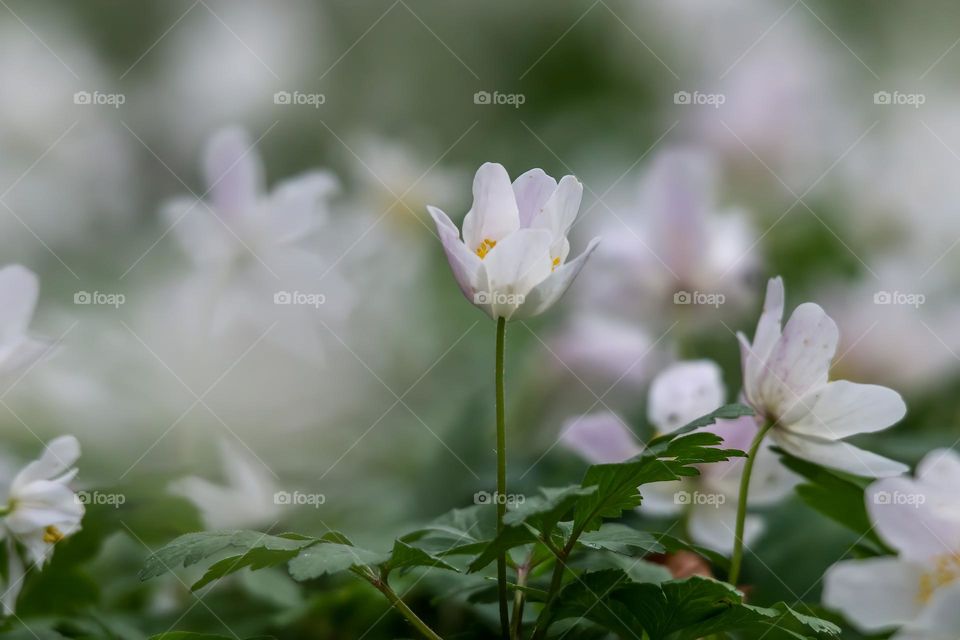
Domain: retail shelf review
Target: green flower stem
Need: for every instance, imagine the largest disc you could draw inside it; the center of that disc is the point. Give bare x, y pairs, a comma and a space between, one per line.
518, 600
540, 629
501, 478
737, 558
383, 587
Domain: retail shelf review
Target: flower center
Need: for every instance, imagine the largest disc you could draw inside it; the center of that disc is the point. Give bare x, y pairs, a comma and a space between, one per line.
945, 571
485, 247
52, 535
556, 263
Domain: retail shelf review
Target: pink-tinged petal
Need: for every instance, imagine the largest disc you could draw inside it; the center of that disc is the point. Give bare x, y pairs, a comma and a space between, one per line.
874, 594
546, 294
714, 525
940, 467
678, 192
465, 264
233, 171
532, 190
800, 362
838, 455
683, 392
841, 409
517, 264
19, 288
298, 205
940, 620
600, 438
918, 520
59, 455
494, 213
559, 212
755, 354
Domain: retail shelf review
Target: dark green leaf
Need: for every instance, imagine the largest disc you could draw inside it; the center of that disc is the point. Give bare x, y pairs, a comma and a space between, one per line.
726, 412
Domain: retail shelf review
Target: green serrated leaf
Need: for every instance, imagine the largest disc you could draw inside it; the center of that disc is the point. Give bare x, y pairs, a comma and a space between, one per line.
620, 538
726, 412
257, 558
328, 558
405, 556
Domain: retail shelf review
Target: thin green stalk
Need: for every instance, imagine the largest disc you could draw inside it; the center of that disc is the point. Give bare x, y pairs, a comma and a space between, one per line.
540, 629
737, 558
501, 477
519, 598
380, 583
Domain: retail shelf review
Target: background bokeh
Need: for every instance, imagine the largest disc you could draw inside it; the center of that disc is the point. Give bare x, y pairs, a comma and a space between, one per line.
820, 140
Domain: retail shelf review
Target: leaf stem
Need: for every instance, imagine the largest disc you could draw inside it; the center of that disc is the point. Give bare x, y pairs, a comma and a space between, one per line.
383, 587
518, 600
540, 629
501, 477
737, 558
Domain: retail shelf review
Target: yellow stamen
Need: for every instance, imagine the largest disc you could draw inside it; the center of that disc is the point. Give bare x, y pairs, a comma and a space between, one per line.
945, 571
556, 263
52, 535
485, 247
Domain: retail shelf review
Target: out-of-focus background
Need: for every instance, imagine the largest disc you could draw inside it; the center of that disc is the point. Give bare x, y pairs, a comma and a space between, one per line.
719, 142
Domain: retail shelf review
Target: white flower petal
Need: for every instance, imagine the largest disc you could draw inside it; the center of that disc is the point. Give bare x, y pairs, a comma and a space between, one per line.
714, 526
545, 295
841, 408
918, 520
600, 438
19, 288
940, 620
297, 205
494, 213
58, 456
874, 594
532, 190
516, 265
559, 212
940, 467
800, 361
233, 171
15, 576
465, 264
683, 392
18, 355
837, 455
755, 354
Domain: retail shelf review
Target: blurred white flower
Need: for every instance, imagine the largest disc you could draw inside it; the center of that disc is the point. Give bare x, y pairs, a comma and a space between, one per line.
41, 511
245, 501
19, 288
785, 379
248, 247
511, 262
678, 395
919, 590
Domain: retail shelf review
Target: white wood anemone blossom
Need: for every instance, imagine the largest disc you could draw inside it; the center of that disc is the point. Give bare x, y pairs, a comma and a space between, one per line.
785, 379
512, 259
919, 590
19, 289
678, 395
41, 511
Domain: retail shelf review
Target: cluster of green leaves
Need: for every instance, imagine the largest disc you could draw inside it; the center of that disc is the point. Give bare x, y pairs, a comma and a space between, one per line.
573, 559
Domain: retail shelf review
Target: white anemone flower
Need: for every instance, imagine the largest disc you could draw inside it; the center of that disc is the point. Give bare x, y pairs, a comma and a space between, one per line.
680, 394
41, 511
919, 590
785, 379
19, 289
511, 261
